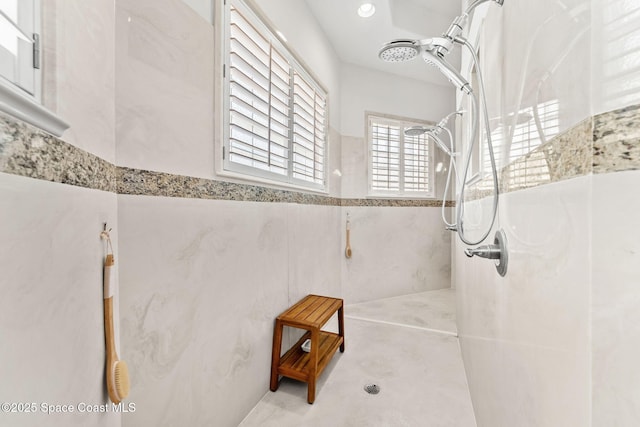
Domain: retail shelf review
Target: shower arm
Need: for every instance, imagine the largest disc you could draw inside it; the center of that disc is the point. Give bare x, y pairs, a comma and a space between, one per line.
444, 44
477, 3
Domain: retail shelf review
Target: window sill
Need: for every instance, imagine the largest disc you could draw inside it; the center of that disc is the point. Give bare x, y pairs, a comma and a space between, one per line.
21, 106
401, 196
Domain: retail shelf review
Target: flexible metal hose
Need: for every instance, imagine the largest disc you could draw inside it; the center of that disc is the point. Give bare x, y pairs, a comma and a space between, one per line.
494, 170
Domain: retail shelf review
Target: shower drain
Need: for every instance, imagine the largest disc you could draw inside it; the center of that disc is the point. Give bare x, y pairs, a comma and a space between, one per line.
372, 388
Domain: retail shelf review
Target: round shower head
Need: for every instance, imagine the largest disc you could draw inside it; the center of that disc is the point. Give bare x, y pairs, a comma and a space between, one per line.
399, 51
416, 130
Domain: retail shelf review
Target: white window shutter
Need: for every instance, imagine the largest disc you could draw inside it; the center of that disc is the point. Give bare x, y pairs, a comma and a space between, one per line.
276, 112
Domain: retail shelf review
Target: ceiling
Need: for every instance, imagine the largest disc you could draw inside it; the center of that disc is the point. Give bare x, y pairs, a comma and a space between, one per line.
357, 40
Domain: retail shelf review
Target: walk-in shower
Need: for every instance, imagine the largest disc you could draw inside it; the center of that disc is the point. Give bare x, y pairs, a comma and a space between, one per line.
433, 52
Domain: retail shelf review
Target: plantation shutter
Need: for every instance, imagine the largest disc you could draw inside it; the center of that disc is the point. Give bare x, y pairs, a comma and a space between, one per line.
276, 112
416, 163
308, 131
259, 99
385, 153
399, 164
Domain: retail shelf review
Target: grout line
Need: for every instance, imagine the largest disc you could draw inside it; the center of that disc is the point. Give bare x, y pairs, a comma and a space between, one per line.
437, 331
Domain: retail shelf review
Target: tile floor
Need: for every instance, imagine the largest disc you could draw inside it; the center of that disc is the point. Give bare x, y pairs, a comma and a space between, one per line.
408, 347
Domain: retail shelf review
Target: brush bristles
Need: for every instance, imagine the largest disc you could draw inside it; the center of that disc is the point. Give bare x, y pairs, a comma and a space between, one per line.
122, 379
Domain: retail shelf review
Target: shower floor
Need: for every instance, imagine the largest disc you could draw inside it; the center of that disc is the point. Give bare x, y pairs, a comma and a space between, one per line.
408, 347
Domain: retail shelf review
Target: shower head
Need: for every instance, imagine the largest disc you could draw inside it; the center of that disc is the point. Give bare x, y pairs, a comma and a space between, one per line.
406, 50
432, 131
399, 51
417, 130
445, 68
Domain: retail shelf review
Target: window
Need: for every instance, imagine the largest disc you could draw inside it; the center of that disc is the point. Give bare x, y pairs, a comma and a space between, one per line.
275, 113
19, 44
400, 165
20, 79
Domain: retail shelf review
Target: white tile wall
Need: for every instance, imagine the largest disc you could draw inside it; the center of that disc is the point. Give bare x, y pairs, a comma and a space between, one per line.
51, 310
616, 300
202, 282
395, 251
525, 337
79, 71
164, 95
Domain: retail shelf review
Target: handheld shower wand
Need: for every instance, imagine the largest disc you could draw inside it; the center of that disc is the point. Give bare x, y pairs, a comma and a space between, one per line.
449, 72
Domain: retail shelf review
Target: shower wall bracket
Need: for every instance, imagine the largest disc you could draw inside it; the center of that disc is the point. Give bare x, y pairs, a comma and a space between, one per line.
497, 251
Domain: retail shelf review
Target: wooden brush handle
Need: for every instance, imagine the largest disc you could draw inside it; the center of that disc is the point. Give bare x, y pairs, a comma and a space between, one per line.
109, 333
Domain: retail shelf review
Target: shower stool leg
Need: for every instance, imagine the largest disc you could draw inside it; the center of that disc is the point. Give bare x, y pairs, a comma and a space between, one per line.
313, 369
341, 326
275, 356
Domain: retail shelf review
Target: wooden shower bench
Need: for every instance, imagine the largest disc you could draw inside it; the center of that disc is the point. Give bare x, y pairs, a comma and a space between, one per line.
310, 313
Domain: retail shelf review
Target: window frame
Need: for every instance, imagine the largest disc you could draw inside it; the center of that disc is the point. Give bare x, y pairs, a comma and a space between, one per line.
403, 122
226, 167
20, 102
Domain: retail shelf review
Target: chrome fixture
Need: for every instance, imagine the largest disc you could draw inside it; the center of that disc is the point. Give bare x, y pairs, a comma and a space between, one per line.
433, 52
399, 50
445, 43
449, 72
434, 132
497, 251
406, 50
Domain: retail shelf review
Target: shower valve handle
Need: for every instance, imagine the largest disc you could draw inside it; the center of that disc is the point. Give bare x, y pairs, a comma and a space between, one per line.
498, 251
486, 251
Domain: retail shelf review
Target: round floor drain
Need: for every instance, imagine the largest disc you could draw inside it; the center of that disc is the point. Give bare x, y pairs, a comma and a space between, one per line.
372, 388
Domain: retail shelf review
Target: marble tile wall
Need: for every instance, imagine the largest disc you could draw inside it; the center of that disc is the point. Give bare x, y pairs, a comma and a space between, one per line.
615, 308
525, 337
51, 310
196, 325
164, 44
55, 196
395, 251
552, 342
202, 281
79, 71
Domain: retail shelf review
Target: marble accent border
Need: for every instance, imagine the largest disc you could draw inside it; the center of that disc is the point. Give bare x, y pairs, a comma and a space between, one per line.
566, 156
409, 203
30, 152
616, 140
147, 183
605, 143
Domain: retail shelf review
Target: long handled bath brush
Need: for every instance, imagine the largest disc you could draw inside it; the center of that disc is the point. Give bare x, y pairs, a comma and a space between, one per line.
117, 371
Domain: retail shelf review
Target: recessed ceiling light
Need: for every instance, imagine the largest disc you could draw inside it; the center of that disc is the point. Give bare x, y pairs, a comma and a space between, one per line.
366, 10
